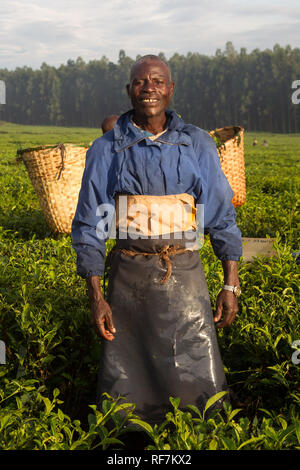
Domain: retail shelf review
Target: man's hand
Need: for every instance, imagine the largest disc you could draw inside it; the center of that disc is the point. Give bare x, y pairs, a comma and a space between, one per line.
226, 306
101, 319
101, 314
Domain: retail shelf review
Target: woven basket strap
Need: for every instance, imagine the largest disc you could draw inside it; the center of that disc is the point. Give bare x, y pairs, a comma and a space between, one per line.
63, 153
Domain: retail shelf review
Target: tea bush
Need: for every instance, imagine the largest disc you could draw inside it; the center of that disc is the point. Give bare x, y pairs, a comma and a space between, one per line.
48, 384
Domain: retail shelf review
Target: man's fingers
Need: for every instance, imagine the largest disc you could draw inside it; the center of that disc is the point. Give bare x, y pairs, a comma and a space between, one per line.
227, 306
217, 317
218, 312
228, 319
224, 321
102, 320
110, 324
103, 331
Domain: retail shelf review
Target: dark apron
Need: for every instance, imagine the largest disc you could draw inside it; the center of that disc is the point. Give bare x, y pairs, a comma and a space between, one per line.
165, 344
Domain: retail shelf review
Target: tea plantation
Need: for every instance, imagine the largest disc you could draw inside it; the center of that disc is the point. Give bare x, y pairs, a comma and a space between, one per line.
48, 381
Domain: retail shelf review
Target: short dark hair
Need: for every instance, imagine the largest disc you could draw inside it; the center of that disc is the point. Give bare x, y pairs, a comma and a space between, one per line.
109, 122
153, 57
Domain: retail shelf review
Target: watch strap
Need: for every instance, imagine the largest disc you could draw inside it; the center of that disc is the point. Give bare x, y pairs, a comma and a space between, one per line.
230, 288
235, 289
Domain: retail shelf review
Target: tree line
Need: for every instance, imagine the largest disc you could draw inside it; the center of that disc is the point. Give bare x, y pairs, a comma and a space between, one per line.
230, 88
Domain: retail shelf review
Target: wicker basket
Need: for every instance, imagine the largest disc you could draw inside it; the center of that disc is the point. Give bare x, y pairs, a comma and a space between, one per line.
56, 174
230, 143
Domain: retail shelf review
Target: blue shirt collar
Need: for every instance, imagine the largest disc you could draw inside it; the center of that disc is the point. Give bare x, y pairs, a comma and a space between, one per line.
126, 134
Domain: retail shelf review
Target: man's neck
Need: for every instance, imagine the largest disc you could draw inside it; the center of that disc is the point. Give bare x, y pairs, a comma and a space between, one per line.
155, 124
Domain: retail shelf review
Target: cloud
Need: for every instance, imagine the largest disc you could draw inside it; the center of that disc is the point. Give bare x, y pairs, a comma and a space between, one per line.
36, 31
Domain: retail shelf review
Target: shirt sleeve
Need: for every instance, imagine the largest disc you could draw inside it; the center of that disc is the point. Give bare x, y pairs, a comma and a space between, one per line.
94, 214
216, 196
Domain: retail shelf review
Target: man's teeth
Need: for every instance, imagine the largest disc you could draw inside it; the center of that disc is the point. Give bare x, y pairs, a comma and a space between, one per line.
149, 100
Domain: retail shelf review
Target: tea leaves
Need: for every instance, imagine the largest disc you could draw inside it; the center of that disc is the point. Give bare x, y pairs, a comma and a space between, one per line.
48, 383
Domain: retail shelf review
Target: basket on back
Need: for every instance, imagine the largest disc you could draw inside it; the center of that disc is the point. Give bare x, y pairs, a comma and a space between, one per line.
230, 144
56, 174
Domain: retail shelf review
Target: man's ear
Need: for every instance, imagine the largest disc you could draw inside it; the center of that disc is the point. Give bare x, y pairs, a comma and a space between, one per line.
171, 89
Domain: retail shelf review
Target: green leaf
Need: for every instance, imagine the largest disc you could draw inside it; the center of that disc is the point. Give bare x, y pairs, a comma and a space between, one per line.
142, 424
113, 440
212, 400
282, 422
228, 443
124, 406
48, 404
279, 337
234, 413
4, 421
106, 405
195, 409
92, 420
286, 433
298, 431
213, 445
175, 402
251, 441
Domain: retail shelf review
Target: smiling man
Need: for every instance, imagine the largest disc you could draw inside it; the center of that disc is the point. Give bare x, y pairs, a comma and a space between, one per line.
150, 90
157, 325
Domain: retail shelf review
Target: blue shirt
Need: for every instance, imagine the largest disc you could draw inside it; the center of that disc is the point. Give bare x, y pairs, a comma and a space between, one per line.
182, 160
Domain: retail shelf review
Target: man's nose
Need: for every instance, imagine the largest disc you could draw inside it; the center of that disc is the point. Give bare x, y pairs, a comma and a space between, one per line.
148, 86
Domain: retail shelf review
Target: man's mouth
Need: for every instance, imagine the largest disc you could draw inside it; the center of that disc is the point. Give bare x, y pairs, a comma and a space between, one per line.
148, 100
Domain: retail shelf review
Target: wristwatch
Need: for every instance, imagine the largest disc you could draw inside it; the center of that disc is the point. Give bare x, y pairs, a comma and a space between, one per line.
235, 289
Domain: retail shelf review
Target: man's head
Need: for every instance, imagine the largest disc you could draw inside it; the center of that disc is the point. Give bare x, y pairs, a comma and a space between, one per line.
151, 87
108, 123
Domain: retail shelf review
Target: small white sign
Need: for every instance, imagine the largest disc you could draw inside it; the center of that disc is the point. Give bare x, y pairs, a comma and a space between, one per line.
253, 247
2, 92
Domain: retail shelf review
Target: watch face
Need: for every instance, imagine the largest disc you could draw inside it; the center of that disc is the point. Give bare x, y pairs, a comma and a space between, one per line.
237, 291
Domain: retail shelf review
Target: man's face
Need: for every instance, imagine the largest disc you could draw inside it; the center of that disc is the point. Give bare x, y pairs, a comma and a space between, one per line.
150, 88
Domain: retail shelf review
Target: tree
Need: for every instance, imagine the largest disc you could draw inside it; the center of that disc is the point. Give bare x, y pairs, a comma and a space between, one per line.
251, 89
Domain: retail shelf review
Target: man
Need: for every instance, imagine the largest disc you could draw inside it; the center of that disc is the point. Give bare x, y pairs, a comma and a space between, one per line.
108, 123
158, 326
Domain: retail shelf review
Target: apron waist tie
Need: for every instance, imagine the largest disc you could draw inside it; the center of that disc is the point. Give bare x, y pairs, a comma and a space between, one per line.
164, 255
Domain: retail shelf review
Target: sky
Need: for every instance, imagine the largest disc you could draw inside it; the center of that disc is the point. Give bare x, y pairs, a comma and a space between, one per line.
53, 31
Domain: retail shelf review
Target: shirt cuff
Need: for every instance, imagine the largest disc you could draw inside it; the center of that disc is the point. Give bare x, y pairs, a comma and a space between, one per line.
229, 258
85, 275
